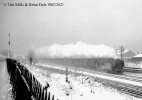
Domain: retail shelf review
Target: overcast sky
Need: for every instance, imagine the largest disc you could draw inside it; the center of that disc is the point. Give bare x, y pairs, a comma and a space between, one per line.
111, 22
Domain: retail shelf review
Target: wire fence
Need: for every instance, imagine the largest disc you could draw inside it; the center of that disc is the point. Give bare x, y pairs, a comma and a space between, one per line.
24, 85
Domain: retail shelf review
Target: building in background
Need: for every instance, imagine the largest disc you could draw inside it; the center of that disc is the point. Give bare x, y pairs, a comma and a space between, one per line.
125, 53
137, 58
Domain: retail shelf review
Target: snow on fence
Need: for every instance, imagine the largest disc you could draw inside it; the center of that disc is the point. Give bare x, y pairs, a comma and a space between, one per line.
24, 85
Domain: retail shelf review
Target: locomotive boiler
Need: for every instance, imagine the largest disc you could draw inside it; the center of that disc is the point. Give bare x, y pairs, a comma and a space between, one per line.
108, 65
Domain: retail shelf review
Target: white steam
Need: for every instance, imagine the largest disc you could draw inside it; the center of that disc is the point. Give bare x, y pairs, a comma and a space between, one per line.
77, 50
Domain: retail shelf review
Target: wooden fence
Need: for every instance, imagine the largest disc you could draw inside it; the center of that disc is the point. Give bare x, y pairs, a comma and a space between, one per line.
24, 85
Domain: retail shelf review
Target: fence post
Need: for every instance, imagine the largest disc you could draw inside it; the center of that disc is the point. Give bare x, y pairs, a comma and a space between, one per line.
45, 95
49, 96
53, 97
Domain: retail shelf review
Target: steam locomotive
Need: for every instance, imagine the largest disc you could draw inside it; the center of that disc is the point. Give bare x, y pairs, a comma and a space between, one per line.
108, 65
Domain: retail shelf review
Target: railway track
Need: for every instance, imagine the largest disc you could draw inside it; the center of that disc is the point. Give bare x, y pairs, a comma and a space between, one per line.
126, 77
126, 88
130, 89
133, 70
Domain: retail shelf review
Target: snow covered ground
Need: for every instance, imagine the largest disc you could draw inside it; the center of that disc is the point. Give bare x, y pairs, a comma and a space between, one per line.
75, 90
5, 87
134, 65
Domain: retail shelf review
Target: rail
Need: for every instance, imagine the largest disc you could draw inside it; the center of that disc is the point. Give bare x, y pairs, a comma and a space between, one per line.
134, 70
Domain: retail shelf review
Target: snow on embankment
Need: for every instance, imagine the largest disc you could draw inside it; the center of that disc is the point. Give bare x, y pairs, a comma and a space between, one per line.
5, 86
75, 90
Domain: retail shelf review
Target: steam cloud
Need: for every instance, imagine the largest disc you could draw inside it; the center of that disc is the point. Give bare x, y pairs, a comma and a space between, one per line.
80, 49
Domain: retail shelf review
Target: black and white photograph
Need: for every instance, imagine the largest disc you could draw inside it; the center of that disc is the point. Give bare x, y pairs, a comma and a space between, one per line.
70, 49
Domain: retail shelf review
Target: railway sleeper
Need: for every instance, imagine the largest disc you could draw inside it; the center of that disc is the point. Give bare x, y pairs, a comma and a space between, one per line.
135, 94
125, 88
138, 96
135, 89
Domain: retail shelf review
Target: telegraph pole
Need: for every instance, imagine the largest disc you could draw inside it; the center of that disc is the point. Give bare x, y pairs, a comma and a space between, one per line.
9, 45
121, 50
82, 76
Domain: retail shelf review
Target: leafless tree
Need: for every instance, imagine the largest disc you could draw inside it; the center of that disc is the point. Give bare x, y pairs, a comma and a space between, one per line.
31, 56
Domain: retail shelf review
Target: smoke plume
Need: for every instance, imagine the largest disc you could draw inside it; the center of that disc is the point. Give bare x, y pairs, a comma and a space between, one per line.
80, 49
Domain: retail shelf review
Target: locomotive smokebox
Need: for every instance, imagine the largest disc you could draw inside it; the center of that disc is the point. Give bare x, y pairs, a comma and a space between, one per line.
118, 68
